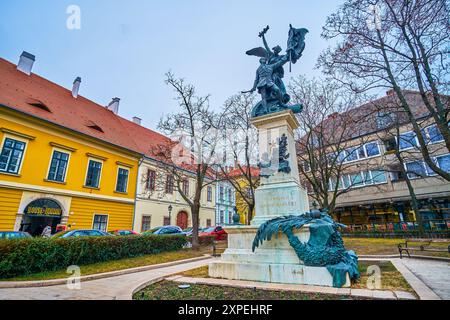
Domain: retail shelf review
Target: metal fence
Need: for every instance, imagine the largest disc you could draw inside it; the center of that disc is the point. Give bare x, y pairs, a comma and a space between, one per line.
433, 229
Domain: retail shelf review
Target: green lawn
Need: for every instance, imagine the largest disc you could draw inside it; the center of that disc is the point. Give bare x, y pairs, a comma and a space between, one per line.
117, 264
169, 290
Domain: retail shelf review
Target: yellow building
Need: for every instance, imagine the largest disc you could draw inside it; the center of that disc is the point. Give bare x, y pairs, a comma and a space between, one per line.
64, 160
156, 187
244, 188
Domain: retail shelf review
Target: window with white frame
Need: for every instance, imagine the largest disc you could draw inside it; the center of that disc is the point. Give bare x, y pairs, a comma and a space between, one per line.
356, 180
408, 140
11, 155
222, 217
151, 180
58, 166
384, 119
372, 149
361, 151
93, 174
209, 194
420, 169
122, 179
185, 187
368, 150
306, 167
351, 154
432, 134
146, 223
169, 184
416, 169
359, 179
221, 193
444, 162
378, 176
100, 222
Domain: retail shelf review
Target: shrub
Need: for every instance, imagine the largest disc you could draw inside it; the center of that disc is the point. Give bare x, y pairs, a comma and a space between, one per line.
27, 256
203, 240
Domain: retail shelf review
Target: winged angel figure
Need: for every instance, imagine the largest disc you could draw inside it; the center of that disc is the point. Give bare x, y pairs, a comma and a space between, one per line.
270, 73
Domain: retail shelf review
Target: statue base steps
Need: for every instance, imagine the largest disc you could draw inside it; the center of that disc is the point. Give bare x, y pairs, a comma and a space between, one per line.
273, 261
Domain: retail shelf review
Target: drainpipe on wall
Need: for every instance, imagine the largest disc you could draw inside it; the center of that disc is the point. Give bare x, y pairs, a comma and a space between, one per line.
136, 192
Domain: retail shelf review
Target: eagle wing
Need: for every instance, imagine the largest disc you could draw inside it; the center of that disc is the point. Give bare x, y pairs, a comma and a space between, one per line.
258, 52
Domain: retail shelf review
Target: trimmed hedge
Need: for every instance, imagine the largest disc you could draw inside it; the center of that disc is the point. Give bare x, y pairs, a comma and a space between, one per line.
203, 240
27, 256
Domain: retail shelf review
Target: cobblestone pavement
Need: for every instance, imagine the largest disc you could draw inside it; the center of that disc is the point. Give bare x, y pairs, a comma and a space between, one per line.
435, 274
119, 287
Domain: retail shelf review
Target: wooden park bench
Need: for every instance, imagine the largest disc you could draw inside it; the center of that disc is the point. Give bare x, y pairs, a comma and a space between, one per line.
426, 245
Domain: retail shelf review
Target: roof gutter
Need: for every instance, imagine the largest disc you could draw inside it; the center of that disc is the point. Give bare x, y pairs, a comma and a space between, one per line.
70, 129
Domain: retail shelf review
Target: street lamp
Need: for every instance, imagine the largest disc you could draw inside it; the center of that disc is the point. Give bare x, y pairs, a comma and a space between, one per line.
170, 211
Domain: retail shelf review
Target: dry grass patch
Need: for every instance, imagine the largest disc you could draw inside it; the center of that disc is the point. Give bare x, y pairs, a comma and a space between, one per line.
391, 278
169, 290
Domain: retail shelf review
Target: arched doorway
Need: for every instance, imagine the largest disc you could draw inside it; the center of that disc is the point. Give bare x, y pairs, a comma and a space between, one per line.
40, 213
182, 219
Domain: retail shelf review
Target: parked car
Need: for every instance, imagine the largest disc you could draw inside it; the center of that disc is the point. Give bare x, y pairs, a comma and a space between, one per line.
165, 230
124, 233
14, 235
80, 233
188, 231
218, 232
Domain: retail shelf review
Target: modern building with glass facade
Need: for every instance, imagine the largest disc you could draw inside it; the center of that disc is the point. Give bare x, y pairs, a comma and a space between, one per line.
378, 197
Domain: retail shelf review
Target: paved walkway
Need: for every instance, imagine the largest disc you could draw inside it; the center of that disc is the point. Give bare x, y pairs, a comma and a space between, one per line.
114, 288
430, 279
435, 274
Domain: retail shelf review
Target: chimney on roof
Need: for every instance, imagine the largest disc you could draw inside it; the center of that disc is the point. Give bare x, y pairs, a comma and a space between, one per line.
76, 87
390, 92
26, 62
114, 105
137, 120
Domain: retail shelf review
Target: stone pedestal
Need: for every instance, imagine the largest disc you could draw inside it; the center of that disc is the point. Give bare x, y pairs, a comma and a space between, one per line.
279, 194
273, 261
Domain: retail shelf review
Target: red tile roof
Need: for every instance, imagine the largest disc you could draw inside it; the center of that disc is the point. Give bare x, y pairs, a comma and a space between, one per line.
147, 141
18, 90
237, 172
55, 103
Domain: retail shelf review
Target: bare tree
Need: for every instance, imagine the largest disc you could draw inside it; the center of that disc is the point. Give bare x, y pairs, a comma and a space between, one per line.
395, 44
194, 128
241, 145
397, 165
330, 136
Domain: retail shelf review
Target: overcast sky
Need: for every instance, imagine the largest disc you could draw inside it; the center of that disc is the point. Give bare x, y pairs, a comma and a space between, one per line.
124, 48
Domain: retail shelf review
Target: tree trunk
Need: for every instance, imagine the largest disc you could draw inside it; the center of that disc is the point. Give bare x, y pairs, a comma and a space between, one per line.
412, 194
250, 212
195, 209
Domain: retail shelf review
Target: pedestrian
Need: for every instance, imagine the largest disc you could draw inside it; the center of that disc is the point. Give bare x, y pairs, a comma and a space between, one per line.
47, 232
